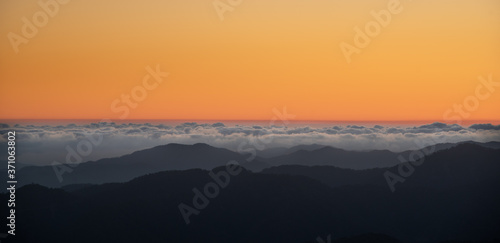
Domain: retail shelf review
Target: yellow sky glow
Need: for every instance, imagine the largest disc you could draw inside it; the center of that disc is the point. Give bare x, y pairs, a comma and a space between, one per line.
265, 54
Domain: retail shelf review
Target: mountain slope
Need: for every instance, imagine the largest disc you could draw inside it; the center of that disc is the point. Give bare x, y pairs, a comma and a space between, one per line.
339, 158
463, 164
124, 168
257, 207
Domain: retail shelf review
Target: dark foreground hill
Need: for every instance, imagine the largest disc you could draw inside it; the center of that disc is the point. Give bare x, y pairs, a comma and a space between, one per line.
433, 205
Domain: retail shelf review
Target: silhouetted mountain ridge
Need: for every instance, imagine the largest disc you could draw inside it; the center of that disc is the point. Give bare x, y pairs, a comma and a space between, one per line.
464, 164
264, 207
182, 157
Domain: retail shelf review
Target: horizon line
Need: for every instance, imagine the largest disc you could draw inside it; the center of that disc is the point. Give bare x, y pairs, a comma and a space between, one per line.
243, 120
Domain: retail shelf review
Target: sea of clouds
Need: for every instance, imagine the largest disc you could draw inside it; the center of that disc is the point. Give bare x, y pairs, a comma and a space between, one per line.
43, 144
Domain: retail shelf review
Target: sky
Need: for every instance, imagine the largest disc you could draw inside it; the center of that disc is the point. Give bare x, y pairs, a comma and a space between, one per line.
85, 56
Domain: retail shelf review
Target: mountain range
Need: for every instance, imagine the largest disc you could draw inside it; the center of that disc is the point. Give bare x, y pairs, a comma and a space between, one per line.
452, 195
203, 156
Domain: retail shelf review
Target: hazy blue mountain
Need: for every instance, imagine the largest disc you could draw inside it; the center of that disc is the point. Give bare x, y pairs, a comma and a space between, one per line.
441, 146
461, 165
274, 152
492, 144
316, 155
338, 158
124, 168
182, 157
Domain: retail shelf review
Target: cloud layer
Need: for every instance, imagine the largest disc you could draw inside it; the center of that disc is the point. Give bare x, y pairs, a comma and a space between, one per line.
43, 144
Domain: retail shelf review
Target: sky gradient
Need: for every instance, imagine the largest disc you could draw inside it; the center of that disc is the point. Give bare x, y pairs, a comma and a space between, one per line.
265, 54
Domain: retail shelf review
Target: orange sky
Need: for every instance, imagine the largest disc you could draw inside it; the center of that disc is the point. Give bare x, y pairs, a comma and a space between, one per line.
265, 54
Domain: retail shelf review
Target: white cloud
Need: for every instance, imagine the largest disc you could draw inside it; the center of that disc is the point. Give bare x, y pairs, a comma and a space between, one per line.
44, 144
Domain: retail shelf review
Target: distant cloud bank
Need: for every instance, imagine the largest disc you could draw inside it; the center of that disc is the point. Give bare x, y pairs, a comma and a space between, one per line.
43, 144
